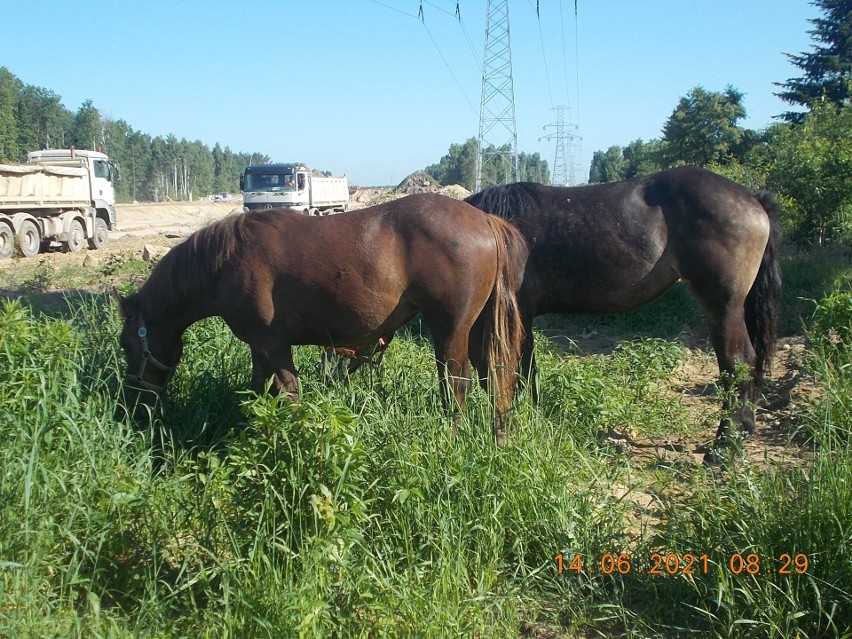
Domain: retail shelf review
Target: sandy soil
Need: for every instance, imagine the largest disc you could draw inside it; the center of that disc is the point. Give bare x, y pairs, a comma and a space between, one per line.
163, 225
160, 226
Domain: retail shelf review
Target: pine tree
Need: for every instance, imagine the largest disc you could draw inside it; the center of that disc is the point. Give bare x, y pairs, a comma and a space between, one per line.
828, 68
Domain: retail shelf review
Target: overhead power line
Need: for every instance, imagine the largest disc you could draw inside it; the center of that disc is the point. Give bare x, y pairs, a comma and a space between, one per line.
497, 157
565, 137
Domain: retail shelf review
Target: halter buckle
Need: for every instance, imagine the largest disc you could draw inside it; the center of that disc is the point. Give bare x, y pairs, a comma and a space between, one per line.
147, 357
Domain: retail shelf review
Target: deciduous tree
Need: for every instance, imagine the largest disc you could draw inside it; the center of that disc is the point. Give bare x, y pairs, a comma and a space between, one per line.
10, 94
703, 128
609, 166
87, 128
811, 165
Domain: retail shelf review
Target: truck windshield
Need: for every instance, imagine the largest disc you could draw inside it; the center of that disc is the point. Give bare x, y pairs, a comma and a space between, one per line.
269, 182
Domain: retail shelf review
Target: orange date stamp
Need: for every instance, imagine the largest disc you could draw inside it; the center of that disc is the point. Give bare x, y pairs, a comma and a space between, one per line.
662, 564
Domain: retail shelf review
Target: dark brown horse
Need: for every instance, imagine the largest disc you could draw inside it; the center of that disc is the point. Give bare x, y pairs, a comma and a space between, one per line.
279, 279
612, 247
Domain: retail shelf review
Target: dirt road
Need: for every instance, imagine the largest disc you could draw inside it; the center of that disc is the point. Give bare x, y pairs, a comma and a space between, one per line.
162, 225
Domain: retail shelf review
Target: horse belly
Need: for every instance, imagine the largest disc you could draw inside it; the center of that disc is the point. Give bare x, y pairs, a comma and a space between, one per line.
600, 286
357, 317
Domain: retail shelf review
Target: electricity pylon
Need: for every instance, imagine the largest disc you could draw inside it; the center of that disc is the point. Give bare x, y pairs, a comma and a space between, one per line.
497, 156
563, 164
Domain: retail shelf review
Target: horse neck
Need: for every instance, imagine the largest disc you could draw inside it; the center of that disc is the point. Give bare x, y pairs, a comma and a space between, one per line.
173, 303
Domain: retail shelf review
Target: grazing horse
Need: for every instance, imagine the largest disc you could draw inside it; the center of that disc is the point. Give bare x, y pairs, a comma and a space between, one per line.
280, 279
612, 247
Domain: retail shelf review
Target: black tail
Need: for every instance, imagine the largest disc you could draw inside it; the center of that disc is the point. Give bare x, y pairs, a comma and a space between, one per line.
763, 303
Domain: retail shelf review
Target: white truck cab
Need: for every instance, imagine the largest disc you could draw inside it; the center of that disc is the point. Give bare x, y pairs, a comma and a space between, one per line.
293, 186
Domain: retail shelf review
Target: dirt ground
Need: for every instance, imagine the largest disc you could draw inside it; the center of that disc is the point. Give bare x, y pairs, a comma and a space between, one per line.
164, 224
160, 226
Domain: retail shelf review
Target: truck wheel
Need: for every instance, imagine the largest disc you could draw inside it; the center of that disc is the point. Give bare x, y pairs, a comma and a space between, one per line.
29, 239
7, 241
99, 239
76, 235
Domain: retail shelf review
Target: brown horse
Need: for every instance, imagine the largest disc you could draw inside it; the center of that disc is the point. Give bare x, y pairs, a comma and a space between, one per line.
612, 247
280, 279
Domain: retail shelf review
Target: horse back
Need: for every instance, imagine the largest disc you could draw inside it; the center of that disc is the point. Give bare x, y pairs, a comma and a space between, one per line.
369, 270
611, 247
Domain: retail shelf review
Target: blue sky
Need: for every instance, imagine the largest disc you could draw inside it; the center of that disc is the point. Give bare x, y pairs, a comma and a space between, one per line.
364, 87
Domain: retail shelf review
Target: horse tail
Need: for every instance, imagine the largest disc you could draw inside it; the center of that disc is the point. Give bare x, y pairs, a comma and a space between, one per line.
763, 302
503, 332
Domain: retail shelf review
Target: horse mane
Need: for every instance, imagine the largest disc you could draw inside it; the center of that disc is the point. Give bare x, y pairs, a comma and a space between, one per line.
192, 266
508, 200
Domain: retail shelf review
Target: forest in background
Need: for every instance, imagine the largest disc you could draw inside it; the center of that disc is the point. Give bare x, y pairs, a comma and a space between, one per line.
152, 168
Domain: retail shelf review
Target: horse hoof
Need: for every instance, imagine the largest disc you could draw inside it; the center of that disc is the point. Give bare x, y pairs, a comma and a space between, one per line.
714, 458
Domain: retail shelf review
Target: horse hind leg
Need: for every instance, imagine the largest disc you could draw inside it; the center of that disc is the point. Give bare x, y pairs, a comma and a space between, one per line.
490, 383
500, 378
451, 357
733, 347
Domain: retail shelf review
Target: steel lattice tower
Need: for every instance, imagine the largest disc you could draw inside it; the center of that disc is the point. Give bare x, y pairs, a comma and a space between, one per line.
497, 157
563, 165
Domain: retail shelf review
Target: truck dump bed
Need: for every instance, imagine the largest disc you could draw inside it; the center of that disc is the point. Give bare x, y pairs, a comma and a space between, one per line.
29, 186
329, 192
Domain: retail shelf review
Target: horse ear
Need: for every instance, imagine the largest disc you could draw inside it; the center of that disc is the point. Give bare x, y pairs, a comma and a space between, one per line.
124, 307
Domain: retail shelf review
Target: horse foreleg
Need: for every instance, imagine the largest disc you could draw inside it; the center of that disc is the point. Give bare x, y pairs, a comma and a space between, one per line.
529, 370
276, 364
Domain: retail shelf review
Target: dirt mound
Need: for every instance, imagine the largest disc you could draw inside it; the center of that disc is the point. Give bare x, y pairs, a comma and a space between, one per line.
420, 182
456, 191
363, 198
417, 182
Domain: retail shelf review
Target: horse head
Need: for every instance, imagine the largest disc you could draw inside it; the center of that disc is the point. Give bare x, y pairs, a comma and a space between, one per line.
151, 355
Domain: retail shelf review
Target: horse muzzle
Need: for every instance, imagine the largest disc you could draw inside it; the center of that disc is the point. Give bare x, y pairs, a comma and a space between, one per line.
138, 380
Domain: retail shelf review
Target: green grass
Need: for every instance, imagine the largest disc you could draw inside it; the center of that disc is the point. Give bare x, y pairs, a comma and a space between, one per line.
357, 512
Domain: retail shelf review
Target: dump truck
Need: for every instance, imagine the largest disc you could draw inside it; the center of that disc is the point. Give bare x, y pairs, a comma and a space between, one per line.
293, 186
59, 195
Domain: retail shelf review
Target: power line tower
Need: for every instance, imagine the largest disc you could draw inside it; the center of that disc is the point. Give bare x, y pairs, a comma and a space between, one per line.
497, 157
563, 162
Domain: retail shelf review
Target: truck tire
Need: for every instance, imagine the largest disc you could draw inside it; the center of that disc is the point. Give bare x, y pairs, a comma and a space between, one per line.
76, 237
29, 238
101, 236
7, 241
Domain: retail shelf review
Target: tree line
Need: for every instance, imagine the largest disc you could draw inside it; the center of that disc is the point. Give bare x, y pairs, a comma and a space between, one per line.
805, 158
458, 166
152, 168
